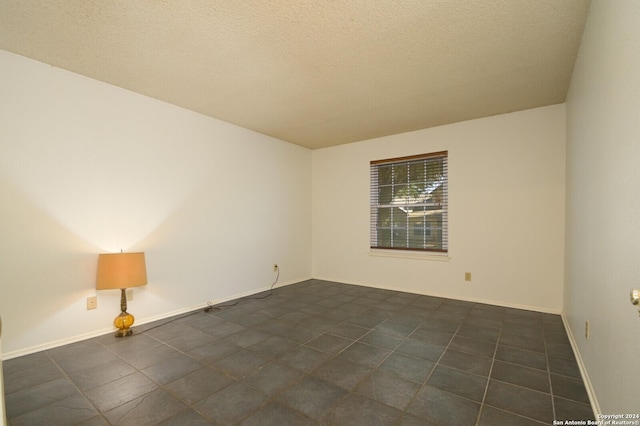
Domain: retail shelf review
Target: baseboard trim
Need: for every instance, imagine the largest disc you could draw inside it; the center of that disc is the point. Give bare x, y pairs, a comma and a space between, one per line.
455, 297
90, 335
595, 406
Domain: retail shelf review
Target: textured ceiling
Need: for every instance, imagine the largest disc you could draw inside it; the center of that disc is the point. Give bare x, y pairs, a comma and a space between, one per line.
315, 73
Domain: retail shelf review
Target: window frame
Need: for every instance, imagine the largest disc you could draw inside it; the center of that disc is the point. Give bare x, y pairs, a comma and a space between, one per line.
431, 203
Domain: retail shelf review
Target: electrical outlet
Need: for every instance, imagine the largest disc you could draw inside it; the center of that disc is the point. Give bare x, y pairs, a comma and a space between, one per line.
92, 302
129, 294
275, 267
587, 330
467, 276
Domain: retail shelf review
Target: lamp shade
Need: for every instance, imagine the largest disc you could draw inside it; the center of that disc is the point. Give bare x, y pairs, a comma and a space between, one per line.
121, 270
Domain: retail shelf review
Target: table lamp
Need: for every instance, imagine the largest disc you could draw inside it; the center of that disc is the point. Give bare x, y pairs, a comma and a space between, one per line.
121, 271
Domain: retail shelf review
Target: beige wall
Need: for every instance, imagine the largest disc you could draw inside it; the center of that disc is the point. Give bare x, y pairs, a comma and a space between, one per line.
86, 168
506, 204
603, 204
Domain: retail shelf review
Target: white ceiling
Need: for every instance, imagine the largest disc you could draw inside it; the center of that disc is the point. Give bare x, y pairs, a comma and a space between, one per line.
315, 73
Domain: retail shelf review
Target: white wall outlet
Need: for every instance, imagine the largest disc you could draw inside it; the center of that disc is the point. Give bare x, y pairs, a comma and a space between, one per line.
275, 267
129, 294
92, 302
467, 276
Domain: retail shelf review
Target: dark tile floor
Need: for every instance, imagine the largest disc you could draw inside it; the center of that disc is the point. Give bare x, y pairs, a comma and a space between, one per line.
316, 352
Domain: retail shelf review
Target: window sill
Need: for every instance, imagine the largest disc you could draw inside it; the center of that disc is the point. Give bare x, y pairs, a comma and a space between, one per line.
444, 257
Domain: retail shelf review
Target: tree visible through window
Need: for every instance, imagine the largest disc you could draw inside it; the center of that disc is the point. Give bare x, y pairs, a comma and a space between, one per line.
409, 203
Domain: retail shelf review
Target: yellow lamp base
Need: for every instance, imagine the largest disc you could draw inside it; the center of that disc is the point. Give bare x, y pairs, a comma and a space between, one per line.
122, 323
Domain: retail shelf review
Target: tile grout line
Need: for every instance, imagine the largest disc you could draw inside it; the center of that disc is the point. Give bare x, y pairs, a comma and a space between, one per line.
424, 383
372, 370
68, 378
546, 357
343, 317
493, 360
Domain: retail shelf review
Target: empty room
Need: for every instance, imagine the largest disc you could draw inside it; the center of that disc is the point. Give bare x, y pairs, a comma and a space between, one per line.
309, 213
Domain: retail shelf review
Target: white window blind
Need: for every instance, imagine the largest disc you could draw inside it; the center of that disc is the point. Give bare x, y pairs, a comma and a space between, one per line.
409, 209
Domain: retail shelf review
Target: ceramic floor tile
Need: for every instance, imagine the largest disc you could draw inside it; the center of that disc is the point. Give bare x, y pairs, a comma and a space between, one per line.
30, 370
431, 336
170, 331
472, 346
441, 408
171, 369
231, 404
359, 410
388, 389
224, 329
190, 340
247, 337
367, 355
273, 327
186, 417
72, 410
381, 340
241, 363
395, 328
98, 420
151, 408
304, 358
409, 420
81, 355
198, 385
91, 377
272, 378
342, 372
272, 347
567, 409
349, 331
329, 343
312, 396
458, 382
316, 352
411, 315
214, 351
516, 399
25, 400
564, 367
442, 323
519, 340
118, 392
560, 350
276, 414
419, 349
521, 376
301, 335
523, 357
492, 416
409, 368
477, 332
319, 324
475, 364
569, 388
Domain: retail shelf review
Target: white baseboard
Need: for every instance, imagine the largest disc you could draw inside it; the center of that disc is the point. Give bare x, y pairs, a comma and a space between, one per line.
80, 337
455, 297
595, 406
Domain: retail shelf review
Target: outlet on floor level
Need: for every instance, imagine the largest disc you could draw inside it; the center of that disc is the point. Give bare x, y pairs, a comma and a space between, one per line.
92, 302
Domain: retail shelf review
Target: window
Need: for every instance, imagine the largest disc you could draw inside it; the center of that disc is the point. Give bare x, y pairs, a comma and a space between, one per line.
409, 203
